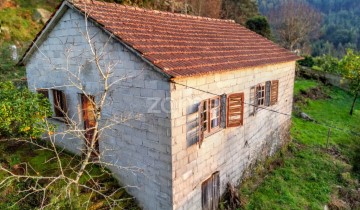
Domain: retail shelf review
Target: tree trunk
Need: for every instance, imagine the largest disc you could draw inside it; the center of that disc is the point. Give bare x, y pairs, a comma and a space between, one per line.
353, 104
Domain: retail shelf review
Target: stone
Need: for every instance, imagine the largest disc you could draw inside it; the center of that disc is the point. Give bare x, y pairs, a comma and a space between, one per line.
306, 117
41, 15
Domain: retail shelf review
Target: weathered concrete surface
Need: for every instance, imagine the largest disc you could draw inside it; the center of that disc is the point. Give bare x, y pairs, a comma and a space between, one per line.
232, 150
138, 150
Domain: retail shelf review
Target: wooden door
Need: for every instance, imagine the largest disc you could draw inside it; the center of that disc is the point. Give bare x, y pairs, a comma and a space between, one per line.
89, 120
210, 195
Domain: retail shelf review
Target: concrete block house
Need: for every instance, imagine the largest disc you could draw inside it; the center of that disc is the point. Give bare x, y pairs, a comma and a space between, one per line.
204, 89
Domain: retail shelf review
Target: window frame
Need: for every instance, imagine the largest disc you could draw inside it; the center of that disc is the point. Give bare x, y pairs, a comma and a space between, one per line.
208, 112
260, 94
59, 104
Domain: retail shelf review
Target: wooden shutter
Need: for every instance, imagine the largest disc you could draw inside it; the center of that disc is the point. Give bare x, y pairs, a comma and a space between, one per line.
43, 92
267, 93
235, 110
60, 106
274, 92
253, 100
223, 109
201, 122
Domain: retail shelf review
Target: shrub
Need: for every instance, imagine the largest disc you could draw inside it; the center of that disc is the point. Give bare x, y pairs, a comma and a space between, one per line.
22, 112
307, 61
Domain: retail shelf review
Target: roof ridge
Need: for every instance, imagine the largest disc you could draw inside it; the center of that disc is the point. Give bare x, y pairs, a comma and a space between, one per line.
150, 10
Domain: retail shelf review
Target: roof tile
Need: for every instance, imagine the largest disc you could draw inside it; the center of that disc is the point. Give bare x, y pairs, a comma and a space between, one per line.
183, 45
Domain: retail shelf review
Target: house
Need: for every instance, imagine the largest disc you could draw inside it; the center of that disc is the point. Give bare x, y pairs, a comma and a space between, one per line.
212, 96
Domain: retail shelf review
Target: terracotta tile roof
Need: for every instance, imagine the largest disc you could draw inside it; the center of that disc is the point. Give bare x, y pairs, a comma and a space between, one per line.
182, 45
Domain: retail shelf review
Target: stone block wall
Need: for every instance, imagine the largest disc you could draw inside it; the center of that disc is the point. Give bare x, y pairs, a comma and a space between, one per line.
230, 150
138, 148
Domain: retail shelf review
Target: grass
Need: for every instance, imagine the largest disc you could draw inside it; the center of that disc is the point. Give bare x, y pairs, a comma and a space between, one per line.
308, 173
13, 156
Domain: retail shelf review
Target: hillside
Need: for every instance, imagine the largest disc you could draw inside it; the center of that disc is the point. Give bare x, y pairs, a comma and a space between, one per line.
340, 28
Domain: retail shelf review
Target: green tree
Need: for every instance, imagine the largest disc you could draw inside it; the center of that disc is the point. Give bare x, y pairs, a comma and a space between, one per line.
260, 25
239, 10
22, 112
351, 67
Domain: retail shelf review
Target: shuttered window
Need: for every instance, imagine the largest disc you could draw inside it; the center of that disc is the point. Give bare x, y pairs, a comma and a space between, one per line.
60, 107
210, 192
274, 92
235, 110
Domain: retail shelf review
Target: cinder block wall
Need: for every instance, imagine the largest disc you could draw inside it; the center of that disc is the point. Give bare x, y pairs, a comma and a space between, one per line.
137, 150
230, 150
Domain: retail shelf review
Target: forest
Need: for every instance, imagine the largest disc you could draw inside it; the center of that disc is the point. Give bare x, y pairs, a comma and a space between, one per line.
339, 29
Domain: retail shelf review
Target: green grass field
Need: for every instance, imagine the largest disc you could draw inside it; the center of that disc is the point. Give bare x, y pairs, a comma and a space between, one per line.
311, 173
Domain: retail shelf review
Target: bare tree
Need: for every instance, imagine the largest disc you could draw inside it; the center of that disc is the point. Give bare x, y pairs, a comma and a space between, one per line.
294, 23
68, 175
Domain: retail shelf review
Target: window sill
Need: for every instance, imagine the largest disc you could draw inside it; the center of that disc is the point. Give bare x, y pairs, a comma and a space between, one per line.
59, 119
214, 131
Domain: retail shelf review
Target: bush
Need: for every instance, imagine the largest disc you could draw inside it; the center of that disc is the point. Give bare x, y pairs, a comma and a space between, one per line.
328, 63
22, 112
307, 61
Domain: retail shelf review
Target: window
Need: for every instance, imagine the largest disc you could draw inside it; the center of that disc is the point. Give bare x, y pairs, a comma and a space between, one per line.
260, 94
213, 112
210, 114
263, 94
210, 192
60, 107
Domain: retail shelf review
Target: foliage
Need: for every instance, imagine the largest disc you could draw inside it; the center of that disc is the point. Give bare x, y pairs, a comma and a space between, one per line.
260, 25
305, 176
43, 164
350, 65
239, 10
8, 68
339, 30
307, 61
328, 63
22, 112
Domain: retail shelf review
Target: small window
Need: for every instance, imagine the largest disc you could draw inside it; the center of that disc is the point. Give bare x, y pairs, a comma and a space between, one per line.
260, 95
209, 117
214, 113
60, 107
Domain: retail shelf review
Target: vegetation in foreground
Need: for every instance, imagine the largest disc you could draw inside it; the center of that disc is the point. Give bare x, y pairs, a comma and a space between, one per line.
312, 172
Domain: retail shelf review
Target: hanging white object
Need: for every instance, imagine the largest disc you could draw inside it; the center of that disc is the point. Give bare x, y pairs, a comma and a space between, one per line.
14, 54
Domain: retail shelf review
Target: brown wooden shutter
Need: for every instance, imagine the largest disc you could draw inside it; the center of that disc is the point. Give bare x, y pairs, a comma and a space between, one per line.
235, 110
201, 122
43, 92
267, 93
253, 100
274, 92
